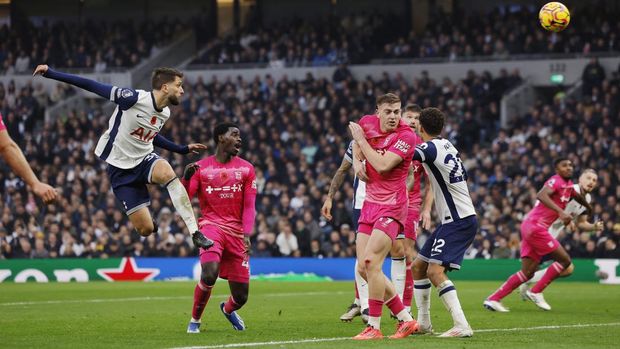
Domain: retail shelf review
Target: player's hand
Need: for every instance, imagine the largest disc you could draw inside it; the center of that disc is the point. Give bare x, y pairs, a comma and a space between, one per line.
40, 69
360, 172
426, 219
45, 191
356, 131
190, 170
599, 226
565, 218
327, 209
248, 244
196, 147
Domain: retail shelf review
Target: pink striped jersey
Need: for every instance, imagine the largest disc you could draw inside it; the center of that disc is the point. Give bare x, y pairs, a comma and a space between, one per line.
227, 194
563, 191
2, 125
391, 187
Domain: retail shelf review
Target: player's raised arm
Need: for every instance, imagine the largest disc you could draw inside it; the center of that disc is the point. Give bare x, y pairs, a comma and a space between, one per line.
124, 97
191, 182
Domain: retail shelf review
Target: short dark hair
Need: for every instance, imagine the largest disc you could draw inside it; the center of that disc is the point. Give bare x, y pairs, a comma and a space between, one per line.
432, 120
162, 76
387, 98
559, 160
414, 108
221, 129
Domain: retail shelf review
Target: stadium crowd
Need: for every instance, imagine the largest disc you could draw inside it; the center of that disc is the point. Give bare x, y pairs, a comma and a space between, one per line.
360, 38
294, 132
93, 46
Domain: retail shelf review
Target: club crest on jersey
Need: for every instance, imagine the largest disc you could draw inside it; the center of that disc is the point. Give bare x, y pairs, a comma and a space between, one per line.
223, 175
238, 175
126, 93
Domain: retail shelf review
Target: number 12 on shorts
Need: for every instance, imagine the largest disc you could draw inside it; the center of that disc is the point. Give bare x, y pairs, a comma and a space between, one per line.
437, 246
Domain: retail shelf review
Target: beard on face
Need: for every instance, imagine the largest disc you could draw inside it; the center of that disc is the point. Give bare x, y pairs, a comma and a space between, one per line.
173, 100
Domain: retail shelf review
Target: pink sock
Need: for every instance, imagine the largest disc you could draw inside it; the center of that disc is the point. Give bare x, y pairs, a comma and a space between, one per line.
375, 306
202, 292
514, 281
231, 305
395, 304
408, 293
552, 272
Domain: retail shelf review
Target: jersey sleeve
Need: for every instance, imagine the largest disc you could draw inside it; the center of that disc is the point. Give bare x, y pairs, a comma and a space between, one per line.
124, 97
192, 185
249, 202
2, 125
425, 152
348, 155
553, 184
404, 145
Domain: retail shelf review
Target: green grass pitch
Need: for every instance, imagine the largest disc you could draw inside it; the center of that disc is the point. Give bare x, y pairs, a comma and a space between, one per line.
155, 315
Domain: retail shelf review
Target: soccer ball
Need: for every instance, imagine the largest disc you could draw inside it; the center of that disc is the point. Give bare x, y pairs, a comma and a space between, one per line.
554, 16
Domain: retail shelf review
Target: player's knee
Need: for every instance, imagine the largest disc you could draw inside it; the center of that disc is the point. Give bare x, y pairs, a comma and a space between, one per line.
566, 263
208, 277
146, 229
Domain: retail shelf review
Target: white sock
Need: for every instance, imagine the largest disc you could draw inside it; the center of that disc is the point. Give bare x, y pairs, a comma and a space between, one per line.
404, 315
362, 289
182, 204
398, 273
357, 301
408, 309
194, 320
537, 276
375, 322
422, 296
447, 293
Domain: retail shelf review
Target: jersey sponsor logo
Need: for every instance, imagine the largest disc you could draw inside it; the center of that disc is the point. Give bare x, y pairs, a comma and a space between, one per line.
144, 137
227, 188
402, 146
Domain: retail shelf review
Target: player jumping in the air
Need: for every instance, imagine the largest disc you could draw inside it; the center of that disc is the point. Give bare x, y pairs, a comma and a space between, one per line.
127, 145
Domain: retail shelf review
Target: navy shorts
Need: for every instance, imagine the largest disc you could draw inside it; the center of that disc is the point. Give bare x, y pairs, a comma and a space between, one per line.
448, 243
356, 218
129, 185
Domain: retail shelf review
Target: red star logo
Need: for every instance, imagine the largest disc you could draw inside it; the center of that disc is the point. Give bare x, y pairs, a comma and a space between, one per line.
128, 271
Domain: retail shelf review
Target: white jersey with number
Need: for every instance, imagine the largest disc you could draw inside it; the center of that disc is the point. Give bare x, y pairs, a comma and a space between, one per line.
132, 127
448, 179
574, 209
359, 187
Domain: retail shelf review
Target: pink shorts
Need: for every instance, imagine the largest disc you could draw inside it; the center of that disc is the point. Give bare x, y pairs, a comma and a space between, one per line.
536, 241
229, 252
384, 218
411, 224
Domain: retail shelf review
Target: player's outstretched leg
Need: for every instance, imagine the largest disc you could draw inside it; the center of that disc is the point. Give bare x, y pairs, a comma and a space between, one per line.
422, 295
163, 174
449, 298
493, 302
354, 309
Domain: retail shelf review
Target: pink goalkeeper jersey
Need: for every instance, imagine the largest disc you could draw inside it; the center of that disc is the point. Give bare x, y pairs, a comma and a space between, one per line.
227, 194
391, 187
2, 125
562, 193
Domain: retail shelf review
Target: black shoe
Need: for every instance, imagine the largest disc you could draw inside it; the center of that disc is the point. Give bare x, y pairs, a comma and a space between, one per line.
201, 241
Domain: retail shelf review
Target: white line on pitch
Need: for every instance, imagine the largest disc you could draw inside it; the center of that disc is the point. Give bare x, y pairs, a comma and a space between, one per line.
132, 299
317, 340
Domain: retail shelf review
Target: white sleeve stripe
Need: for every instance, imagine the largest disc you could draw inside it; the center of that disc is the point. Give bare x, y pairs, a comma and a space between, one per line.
113, 92
421, 154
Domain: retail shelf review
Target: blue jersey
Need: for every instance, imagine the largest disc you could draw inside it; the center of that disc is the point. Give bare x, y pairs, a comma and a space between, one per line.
448, 179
